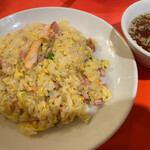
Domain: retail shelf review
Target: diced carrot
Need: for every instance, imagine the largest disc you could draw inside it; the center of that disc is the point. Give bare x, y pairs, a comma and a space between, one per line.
99, 82
34, 90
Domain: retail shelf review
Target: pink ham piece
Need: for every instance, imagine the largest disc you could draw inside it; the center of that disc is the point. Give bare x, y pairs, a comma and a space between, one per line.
98, 102
102, 72
44, 25
52, 35
86, 101
86, 96
56, 28
57, 86
14, 100
91, 44
106, 85
7, 64
23, 53
60, 32
86, 81
21, 31
34, 118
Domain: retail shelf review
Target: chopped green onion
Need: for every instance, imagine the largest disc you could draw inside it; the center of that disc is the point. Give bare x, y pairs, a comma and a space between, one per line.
49, 92
23, 94
87, 42
90, 57
50, 56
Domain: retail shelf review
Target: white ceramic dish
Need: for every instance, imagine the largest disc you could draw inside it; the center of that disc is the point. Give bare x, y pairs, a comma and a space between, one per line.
123, 82
136, 9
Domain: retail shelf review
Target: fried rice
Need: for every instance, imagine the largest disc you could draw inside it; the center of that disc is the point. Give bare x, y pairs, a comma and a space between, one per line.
64, 80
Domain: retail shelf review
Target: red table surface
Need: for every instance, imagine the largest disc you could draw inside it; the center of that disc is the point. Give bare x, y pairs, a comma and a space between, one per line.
134, 134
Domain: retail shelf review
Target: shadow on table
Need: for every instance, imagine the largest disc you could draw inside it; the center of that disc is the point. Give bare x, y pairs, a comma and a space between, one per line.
117, 26
136, 128
100, 6
5, 4
115, 4
143, 73
67, 3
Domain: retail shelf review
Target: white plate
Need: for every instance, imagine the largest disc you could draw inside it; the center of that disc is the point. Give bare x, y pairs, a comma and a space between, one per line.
123, 83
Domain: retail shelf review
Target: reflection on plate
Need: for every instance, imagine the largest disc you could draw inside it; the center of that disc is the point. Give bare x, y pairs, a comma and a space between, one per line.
122, 79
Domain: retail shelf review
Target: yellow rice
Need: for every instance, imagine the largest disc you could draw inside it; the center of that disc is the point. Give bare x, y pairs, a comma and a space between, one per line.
39, 105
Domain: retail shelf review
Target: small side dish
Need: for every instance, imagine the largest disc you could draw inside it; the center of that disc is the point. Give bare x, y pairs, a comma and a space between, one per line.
139, 30
137, 17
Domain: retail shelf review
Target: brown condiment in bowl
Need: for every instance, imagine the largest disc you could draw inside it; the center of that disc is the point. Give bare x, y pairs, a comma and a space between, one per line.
139, 30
